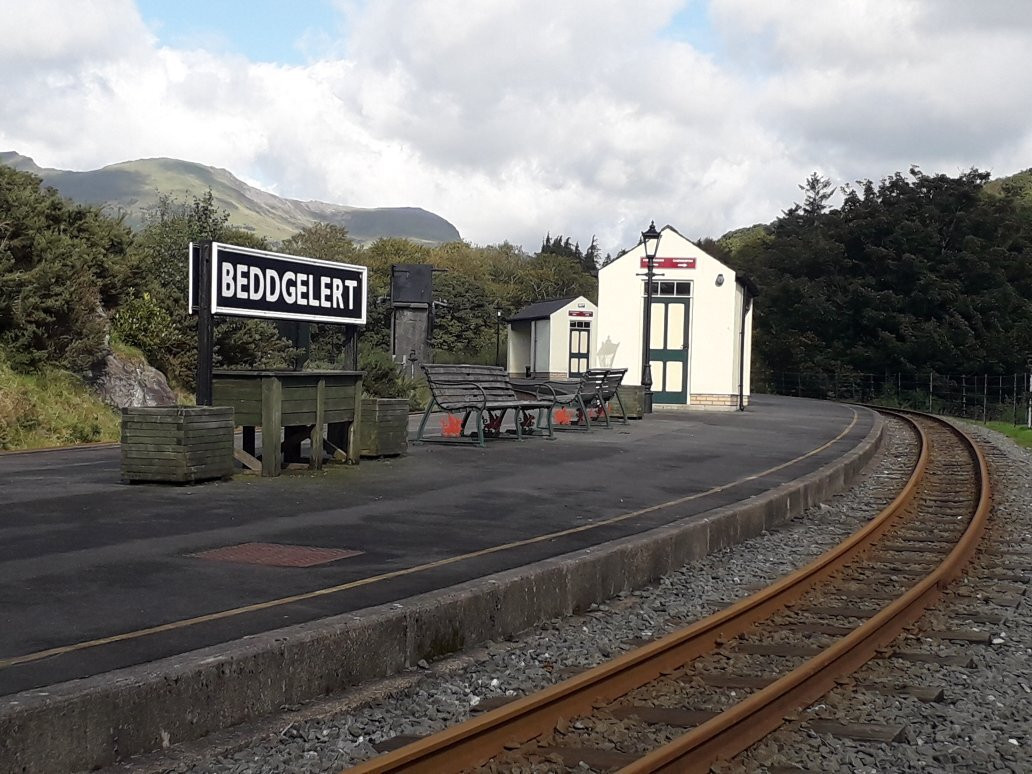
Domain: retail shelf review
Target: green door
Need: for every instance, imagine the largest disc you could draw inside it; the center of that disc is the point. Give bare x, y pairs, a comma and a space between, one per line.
668, 347
580, 347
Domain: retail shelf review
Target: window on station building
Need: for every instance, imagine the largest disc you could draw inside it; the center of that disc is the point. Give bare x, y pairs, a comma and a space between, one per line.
670, 288
581, 324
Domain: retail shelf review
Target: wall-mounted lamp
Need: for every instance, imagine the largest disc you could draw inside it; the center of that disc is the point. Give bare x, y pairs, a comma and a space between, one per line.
720, 280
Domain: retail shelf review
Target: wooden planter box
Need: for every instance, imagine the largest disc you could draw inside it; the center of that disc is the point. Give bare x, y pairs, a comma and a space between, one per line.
633, 397
177, 444
384, 428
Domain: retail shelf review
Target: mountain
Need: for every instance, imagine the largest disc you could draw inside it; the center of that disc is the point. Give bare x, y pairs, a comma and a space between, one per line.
132, 187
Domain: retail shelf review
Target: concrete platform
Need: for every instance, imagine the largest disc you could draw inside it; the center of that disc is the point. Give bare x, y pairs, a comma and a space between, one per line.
123, 635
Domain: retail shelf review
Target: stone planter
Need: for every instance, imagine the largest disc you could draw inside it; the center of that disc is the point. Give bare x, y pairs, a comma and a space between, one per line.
384, 427
177, 444
633, 397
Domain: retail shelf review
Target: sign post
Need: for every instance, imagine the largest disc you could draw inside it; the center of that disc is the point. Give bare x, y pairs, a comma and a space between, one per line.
205, 349
243, 282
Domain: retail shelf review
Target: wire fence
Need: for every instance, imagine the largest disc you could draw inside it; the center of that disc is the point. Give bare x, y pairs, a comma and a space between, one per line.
985, 398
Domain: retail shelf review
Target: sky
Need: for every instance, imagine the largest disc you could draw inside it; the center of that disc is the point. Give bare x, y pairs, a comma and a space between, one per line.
517, 118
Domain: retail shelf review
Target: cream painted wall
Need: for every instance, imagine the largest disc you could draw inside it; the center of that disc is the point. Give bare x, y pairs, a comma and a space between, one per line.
541, 345
711, 357
552, 353
559, 333
518, 355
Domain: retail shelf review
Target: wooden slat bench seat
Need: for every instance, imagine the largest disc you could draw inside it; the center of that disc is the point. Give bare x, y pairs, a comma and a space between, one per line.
589, 395
476, 390
609, 389
581, 395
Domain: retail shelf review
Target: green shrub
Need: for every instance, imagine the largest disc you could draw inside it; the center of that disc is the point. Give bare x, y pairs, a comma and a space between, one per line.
384, 379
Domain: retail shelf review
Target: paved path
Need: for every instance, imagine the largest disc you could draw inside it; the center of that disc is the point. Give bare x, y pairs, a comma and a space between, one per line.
97, 575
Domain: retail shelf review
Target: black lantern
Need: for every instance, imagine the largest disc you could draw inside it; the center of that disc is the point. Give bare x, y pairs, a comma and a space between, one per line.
650, 241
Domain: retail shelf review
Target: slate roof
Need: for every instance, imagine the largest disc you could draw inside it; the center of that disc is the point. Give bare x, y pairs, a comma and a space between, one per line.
542, 309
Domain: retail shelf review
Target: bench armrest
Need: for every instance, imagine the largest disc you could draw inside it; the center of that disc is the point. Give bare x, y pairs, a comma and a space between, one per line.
457, 404
545, 386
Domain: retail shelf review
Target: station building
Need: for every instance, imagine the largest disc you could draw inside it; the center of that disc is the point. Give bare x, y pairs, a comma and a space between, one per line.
553, 339
701, 325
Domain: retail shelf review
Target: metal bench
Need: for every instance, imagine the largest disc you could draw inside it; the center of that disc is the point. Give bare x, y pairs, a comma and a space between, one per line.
581, 394
591, 394
610, 389
476, 390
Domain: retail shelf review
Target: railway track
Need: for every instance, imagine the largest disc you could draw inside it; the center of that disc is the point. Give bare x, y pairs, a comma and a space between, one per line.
712, 689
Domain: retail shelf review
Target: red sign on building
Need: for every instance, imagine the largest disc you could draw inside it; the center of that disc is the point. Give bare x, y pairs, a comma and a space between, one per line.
582, 314
669, 263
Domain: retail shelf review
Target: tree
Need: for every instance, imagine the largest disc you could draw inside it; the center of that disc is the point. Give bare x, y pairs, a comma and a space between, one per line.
62, 269
160, 279
592, 257
464, 317
555, 276
914, 273
818, 190
327, 242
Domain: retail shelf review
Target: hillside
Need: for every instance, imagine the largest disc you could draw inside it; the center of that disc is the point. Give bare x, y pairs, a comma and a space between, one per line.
1020, 182
132, 187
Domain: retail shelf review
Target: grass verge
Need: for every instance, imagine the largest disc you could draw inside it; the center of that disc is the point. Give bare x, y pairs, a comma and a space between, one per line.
51, 408
1021, 434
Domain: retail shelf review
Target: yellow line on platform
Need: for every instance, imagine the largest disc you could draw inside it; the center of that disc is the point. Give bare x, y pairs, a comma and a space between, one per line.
258, 606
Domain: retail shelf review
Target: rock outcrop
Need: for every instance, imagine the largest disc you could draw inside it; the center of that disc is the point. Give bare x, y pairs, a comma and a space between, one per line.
122, 382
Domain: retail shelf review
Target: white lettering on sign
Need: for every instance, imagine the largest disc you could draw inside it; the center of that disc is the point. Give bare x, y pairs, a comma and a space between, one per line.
252, 283
241, 282
272, 282
289, 288
257, 282
228, 286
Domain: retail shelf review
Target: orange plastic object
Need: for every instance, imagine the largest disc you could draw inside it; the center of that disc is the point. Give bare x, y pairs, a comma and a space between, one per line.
451, 426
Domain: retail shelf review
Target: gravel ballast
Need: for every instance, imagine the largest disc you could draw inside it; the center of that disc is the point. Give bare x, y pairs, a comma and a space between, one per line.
984, 722
969, 731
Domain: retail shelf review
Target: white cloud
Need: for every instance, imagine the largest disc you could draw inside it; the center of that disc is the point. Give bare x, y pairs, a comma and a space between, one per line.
517, 117
48, 32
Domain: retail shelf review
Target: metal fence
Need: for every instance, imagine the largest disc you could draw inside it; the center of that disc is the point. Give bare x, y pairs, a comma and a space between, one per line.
985, 397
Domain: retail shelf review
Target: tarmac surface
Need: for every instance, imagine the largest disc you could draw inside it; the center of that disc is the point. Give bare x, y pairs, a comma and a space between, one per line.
96, 575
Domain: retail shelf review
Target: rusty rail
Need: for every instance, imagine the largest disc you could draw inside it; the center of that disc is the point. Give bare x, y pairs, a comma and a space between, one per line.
475, 741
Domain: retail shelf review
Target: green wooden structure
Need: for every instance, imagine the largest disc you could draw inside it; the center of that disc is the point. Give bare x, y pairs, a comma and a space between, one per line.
632, 401
177, 444
293, 405
384, 426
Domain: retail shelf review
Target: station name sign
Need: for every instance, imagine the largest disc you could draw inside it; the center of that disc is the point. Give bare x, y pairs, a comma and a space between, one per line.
669, 263
259, 283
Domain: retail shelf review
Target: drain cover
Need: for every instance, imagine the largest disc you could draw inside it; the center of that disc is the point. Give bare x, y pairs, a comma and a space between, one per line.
277, 554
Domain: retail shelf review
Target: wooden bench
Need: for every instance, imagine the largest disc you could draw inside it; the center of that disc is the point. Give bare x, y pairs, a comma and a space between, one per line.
611, 382
476, 390
589, 395
580, 395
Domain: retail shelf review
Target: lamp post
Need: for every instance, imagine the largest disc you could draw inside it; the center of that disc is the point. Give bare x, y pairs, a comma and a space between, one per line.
498, 333
650, 241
